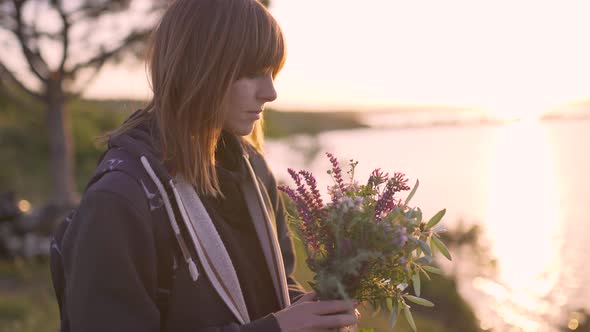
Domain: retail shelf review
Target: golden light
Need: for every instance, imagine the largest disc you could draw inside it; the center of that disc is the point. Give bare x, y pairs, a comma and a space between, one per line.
574, 320
410, 52
523, 190
522, 108
485, 326
523, 114
24, 206
573, 324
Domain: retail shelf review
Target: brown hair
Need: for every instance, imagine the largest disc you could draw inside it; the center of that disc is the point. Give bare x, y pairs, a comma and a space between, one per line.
198, 49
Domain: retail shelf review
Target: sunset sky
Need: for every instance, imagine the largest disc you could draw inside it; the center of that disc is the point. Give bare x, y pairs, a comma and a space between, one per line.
514, 58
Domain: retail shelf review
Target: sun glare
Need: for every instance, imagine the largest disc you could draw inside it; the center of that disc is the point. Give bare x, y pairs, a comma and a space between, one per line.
521, 109
511, 114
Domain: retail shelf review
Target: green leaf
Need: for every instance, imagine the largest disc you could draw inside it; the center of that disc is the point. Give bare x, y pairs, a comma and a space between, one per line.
409, 317
389, 304
366, 330
394, 313
385, 305
416, 283
432, 269
424, 260
437, 217
412, 193
419, 300
432, 246
424, 246
441, 247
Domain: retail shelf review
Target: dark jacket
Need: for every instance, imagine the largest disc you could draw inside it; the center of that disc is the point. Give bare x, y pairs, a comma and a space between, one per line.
138, 228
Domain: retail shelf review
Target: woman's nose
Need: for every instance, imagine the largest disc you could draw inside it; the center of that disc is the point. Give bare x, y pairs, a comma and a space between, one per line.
266, 88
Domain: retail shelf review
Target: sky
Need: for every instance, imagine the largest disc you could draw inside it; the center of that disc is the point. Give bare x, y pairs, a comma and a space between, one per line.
509, 57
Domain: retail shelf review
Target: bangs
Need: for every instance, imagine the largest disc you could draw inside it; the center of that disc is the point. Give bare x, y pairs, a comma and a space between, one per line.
265, 45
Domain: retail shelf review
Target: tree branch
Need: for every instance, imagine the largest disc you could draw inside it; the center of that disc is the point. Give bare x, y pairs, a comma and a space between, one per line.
102, 57
34, 59
51, 36
93, 10
65, 31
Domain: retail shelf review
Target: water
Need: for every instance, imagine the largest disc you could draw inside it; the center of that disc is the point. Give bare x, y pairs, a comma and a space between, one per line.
526, 183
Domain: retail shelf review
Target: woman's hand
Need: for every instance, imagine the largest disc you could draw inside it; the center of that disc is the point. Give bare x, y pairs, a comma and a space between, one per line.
310, 315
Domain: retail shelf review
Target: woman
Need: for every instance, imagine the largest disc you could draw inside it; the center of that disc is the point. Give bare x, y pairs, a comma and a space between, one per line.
181, 228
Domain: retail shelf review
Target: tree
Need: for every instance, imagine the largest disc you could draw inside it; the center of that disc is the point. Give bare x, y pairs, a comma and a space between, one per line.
53, 49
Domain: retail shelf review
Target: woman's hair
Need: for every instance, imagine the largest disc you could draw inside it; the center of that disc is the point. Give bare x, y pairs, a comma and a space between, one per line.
199, 48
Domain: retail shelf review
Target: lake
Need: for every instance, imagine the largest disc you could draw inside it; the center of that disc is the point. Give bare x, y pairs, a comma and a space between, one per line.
524, 183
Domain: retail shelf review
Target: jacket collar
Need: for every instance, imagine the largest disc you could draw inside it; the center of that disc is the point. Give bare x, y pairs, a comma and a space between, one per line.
209, 247
214, 256
258, 206
211, 251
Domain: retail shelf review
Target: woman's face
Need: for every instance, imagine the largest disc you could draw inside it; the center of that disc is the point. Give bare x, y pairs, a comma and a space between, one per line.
245, 101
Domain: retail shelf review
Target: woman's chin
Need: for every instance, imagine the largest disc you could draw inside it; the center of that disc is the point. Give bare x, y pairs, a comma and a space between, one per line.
243, 130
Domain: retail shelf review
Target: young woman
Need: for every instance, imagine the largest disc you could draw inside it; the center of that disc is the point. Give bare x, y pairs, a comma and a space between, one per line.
181, 227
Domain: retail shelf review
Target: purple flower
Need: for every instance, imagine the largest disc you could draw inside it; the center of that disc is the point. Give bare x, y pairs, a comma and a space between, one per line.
399, 182
303, 193
377, 178
306, 215
316, 198
336, 172
386, 201
399, 237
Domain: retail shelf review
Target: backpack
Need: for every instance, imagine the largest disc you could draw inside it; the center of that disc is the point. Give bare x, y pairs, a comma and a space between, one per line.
166, 251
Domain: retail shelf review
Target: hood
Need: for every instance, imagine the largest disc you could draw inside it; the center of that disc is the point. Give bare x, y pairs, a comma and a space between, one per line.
191, 217
141, 141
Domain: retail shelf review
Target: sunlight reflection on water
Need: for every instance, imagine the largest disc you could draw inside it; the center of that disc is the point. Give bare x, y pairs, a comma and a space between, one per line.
526, 183
523, 221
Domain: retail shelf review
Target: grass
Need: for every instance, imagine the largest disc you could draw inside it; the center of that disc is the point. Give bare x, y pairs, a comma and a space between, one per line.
27, 301
281, 124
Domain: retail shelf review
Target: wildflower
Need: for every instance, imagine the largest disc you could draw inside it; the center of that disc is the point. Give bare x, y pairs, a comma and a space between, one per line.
305, 195
400, 183
377, 178
344, 238
307, 217
335, 193
336, 172
399, 236
351, 204
315, 193
386, 201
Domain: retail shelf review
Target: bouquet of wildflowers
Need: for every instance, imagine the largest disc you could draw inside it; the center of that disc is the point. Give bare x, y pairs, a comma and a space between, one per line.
365, 244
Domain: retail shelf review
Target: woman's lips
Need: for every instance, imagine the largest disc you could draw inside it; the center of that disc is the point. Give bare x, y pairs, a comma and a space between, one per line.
254, 114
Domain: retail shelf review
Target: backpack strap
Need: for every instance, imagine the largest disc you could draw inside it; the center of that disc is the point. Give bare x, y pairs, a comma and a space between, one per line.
166, 248
117, 160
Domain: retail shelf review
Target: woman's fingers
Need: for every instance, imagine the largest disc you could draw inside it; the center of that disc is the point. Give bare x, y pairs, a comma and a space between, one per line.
308, 314
332, 306
335, 321
307, 297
